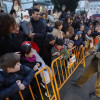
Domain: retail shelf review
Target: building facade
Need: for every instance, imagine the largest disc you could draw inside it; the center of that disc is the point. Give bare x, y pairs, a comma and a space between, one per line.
45, 4
83, 5
94, 6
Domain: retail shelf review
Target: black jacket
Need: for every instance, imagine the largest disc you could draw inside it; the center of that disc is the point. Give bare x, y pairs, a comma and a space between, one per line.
39, 30
29, 64
8, 85
63, 15
47, 53
8, 45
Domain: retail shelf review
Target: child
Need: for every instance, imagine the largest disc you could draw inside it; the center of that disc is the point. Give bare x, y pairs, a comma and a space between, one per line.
44, 18
27, 57
61, 49
14, 77
26, 26
78, 40
70, 44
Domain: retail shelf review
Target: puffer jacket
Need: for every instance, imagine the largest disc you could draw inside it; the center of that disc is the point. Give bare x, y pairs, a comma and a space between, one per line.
8, 85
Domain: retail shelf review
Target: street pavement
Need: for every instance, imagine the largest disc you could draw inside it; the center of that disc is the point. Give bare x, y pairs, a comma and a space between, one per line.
71, 92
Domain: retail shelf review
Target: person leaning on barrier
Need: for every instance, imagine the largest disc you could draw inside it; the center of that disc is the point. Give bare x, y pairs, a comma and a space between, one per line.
93, 67
48, 44
14, 77
58, 50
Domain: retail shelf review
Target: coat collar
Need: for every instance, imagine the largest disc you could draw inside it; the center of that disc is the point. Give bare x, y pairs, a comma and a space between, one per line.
59, 49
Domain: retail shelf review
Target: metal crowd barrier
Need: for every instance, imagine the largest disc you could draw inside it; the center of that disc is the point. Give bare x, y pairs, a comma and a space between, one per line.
53, 97
65, 70
21, 96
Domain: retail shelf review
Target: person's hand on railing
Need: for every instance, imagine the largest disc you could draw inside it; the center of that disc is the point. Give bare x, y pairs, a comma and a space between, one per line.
56, 54
36, 66
61, 57
20, 85
81, 46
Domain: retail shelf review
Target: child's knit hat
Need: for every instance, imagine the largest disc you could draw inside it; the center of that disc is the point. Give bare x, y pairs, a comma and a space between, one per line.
25, 13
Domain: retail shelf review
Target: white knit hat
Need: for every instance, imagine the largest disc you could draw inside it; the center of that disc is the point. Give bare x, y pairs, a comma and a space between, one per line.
25, 13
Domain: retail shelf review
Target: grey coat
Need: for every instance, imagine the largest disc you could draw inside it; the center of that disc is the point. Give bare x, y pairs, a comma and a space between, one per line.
27, 27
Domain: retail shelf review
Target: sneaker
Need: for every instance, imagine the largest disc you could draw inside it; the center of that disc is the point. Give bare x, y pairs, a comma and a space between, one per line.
93, 95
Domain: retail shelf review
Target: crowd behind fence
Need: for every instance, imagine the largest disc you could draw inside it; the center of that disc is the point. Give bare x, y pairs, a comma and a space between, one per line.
64, 72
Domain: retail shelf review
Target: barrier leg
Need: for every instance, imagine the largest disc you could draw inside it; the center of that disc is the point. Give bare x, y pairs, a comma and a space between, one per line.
21, 95
83, 57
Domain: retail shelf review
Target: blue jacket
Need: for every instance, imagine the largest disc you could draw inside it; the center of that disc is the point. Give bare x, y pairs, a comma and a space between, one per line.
78, 42
95, 34
8, 85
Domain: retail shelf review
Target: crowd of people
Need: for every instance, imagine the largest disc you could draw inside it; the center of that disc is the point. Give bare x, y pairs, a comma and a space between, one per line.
54, 32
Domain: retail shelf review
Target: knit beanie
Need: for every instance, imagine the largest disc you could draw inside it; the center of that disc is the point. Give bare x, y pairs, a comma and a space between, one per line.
25, 13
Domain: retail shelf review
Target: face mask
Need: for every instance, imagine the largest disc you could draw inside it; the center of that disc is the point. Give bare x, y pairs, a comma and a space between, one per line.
28, 20
16, 8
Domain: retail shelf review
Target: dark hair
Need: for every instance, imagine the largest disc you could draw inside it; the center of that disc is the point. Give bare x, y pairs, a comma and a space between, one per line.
60, 42
12, 11
35, 10
43, 14
90, 24
50, 37
58, 23
9, 60
66, 18
81, 26
35, 4
55, 10
25, 49
63, 6
6, 22
49, 12
18, 3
